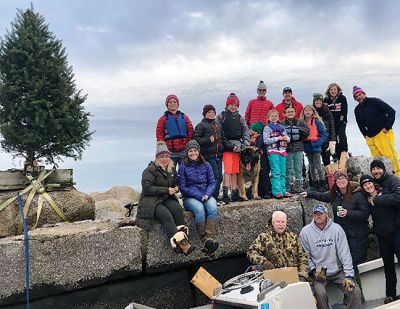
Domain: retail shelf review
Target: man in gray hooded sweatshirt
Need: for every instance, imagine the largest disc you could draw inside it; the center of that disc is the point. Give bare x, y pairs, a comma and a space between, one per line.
329, 259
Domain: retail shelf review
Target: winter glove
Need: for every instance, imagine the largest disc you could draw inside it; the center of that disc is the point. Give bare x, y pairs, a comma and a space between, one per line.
332, 147
303, 279
319, 274
267, 265
348, 284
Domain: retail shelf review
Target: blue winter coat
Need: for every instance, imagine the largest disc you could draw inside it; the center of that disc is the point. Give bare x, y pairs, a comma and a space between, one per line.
196, 180
317, 145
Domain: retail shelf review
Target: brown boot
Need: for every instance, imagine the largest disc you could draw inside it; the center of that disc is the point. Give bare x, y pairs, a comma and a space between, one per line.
200, 228
181, 244
210, 244
183, 228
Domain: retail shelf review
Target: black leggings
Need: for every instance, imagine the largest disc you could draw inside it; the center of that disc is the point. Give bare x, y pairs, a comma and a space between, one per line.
170, 214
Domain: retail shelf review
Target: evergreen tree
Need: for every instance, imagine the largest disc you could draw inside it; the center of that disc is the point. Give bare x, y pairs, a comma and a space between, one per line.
41, 111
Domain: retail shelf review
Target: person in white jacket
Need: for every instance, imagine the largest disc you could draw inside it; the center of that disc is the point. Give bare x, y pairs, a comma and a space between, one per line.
329, 259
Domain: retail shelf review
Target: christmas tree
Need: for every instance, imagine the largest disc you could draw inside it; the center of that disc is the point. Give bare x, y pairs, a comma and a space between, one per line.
41, 112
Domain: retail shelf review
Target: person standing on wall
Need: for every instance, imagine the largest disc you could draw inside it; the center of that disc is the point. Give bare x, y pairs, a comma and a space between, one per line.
375, 119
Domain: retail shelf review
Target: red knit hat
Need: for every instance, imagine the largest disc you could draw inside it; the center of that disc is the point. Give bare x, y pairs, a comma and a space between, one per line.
356, 90
232, 98
171, 96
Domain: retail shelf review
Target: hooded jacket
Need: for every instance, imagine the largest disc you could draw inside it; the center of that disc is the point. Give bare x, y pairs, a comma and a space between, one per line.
155, 184
327, 247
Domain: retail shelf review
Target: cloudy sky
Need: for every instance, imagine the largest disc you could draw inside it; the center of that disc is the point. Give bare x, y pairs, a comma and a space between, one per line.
129, 55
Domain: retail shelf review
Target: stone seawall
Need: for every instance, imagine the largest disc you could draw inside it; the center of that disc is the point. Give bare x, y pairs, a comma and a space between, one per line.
69, 257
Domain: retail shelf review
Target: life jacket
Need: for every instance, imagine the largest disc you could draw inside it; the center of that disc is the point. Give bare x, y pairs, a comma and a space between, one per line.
293, 131
313, 136
175, 127
277, 130
233, 128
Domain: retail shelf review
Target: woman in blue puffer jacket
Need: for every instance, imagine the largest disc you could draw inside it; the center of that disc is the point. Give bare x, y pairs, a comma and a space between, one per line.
197, 184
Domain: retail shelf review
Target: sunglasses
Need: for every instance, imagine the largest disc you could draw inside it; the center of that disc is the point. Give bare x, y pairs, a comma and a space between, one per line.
262, 90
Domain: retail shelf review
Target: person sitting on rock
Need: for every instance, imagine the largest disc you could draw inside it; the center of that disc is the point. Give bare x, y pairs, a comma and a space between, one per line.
279, 247
197, 184
158, 201
329, 259
351, 211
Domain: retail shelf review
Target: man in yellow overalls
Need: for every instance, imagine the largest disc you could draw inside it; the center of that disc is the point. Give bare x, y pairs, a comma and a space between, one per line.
375, 119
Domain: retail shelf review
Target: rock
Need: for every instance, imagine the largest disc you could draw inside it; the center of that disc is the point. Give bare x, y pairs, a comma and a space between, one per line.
70, 256
75, 205
358, 166
239, 225
110, 204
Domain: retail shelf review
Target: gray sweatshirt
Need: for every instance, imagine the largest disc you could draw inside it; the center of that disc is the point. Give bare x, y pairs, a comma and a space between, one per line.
327, 247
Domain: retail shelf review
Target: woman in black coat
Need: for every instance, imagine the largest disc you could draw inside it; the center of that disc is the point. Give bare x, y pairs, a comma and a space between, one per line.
158, 202
337, 104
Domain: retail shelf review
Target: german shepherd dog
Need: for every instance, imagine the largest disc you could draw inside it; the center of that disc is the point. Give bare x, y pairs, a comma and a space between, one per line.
249, 171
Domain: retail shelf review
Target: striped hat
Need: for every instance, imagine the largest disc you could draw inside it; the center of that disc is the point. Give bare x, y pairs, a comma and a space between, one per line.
356, 90
162, 149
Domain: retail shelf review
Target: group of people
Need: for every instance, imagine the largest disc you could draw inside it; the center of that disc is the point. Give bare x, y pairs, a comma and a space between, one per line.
328, 251
209, 155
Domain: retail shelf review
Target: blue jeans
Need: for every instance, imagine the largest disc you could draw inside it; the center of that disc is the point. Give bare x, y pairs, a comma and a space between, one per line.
294, 167
201, 210
278, 173
216, 165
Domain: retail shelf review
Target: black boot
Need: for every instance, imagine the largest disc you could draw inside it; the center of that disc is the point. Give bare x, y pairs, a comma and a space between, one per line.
225, 196
234, 195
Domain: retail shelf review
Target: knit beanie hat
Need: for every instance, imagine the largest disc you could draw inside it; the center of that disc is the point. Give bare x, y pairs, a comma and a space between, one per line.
162, 149
207, 108
356, 90
261, 85
339, 174
171, 96
365, 178
317, 96
232, 98
377, 163
257, 127
192, 144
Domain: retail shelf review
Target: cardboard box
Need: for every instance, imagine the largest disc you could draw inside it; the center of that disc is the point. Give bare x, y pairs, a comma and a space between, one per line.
287, 274
205, 282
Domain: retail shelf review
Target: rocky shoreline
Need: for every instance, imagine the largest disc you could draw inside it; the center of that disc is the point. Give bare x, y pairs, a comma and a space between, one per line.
67, 257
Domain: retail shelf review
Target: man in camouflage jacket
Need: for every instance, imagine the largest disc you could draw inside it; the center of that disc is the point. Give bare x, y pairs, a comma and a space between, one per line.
279, 247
